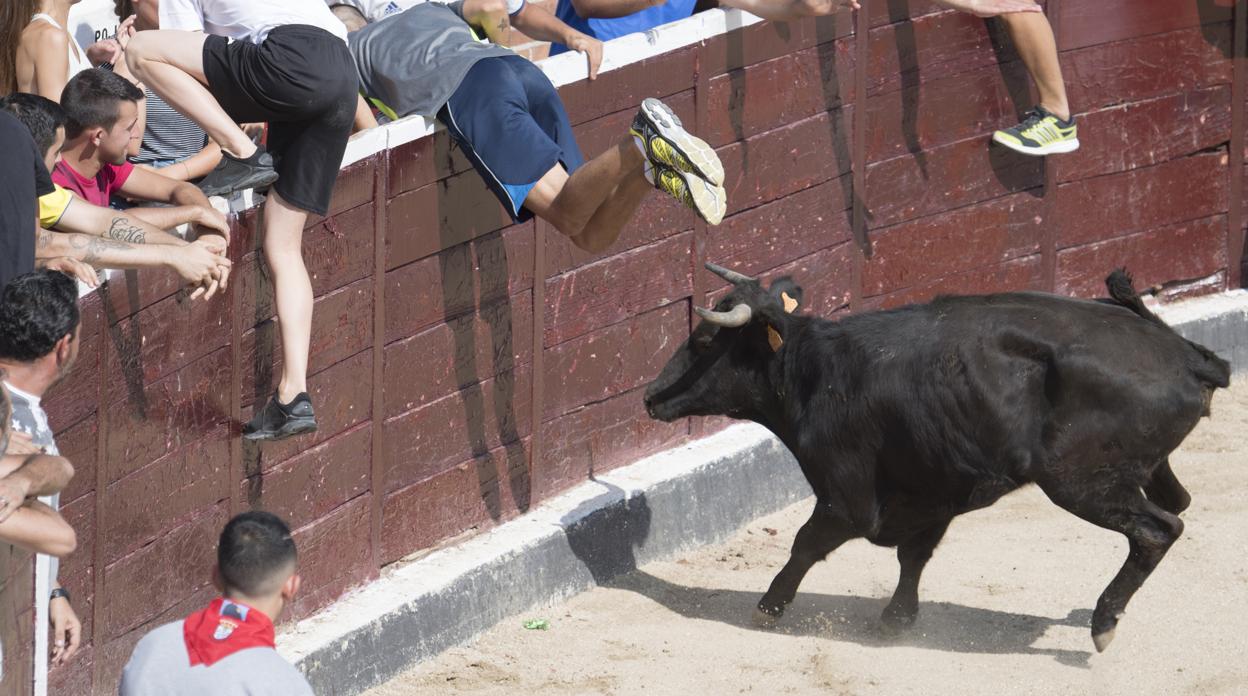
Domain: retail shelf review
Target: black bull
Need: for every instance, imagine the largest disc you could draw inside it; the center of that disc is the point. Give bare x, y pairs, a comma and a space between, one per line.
903, 419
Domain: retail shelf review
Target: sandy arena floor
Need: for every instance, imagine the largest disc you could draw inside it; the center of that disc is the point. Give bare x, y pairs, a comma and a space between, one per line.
1006, 603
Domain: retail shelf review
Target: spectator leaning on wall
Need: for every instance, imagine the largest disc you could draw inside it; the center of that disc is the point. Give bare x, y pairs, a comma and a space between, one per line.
103, 111
24, 521
39, 324
288, 65
227, 648
89, 234
508, 119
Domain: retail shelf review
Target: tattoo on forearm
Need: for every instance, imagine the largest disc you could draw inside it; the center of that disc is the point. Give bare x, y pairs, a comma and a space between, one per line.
502, 25
44, 239
91, 247
125, 231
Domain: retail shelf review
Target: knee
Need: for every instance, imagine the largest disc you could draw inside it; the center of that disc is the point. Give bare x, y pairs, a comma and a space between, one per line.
138, 53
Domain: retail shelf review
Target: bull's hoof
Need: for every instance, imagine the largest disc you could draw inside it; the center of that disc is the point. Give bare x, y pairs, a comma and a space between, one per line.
1102, 640
1103, 627
896, 619
762, 619
767, 614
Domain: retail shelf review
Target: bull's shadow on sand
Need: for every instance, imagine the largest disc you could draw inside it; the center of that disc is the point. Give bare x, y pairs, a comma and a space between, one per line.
942, 626
606, 542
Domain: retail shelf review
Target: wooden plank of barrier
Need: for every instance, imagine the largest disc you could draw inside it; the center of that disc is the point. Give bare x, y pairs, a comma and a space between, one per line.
381, 193
1235, 215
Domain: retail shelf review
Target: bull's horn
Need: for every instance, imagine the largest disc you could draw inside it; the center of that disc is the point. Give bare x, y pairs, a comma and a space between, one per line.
737, 316
728, 275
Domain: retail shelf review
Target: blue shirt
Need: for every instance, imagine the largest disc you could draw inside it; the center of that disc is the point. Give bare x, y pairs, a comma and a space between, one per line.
607, 29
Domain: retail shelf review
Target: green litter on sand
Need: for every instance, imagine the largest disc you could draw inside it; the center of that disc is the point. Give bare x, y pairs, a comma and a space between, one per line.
537, 624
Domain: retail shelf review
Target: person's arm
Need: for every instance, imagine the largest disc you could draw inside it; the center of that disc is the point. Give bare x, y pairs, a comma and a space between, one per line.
991, 8
610, 9
48, 47
198, 263
364, 118
22, 476
82, 217
66, 628
190, 205
37, 527
538, 23
788, 10
196, 166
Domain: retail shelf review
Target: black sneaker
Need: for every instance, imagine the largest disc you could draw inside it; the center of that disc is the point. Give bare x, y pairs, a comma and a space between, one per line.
233, 174
278, 421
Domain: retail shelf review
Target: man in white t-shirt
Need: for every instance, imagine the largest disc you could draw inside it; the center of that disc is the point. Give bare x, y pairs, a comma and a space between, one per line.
223, 62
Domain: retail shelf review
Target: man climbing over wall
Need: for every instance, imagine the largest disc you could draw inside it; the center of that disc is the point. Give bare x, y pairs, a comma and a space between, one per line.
221, 62
1049, 128
507, 117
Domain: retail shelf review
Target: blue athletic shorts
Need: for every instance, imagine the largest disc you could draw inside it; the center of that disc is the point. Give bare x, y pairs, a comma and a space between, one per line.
508, 119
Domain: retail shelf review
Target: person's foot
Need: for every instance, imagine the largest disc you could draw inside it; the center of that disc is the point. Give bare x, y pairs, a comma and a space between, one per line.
278, 421
233, 174
708, 200
1040, 133
666, 143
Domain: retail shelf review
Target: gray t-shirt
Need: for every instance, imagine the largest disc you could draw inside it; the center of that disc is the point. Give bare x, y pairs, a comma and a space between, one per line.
160, 666
413, 61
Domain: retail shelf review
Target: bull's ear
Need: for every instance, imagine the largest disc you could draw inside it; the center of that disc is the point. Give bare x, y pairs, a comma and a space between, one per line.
788, 292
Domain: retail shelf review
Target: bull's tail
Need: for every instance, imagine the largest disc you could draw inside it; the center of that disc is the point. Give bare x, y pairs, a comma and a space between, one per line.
1204, 363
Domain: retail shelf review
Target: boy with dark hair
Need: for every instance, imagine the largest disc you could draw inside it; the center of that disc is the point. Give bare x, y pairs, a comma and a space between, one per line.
220, 62
103, 113
39, 323
227, 649
510, 122
90, 234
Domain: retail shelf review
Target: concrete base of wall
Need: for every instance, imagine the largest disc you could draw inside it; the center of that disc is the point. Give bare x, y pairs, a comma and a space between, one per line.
687, 497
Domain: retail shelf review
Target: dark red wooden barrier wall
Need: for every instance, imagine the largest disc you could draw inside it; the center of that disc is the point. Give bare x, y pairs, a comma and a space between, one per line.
465, 370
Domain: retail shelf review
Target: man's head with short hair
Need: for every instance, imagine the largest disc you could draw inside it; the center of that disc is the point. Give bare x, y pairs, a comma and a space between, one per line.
39, 321
256, 558
103, 108
44, 118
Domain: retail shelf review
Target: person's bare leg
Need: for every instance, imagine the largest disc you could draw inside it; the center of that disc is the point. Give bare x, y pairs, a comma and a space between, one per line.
1033, 37
593, 204
292, 290
172, 64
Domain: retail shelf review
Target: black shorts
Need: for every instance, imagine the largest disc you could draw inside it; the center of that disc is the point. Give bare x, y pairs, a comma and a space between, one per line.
301, 80
508, 119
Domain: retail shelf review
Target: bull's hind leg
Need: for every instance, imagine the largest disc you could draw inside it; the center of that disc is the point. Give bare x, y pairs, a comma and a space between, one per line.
821, 535
1164, 489
1149, 529
913, 553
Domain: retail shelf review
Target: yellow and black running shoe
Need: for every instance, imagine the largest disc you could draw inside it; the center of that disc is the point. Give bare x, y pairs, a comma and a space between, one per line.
708, 200
1040, 133
667, 143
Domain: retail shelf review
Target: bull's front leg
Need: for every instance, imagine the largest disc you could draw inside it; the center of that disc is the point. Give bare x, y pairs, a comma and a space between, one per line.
821, 535
913, 553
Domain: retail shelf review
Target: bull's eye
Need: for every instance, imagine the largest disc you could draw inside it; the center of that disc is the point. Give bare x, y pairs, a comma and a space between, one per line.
702, 343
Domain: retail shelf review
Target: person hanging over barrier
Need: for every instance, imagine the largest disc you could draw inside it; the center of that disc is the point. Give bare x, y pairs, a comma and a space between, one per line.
1049, 127
227, 647
39, 338
87, 234
508, 119
220, 62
